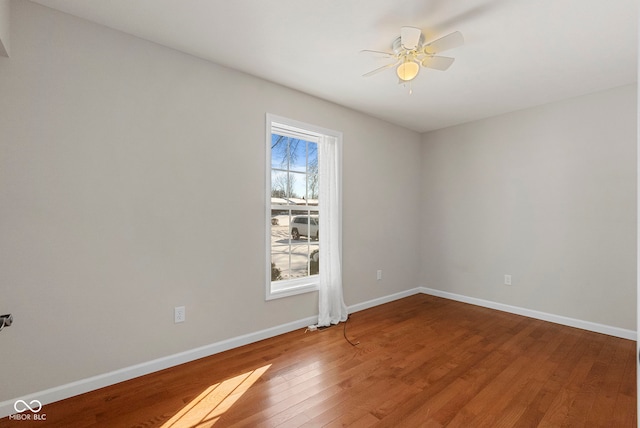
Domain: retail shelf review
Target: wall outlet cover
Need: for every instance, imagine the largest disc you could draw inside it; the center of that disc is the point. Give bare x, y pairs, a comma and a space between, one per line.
179, 314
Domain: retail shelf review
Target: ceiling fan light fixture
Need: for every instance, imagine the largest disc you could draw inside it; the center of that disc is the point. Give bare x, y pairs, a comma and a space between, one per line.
410, 53
408, 70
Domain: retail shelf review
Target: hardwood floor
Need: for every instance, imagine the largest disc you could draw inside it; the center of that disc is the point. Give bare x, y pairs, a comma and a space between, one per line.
422, 361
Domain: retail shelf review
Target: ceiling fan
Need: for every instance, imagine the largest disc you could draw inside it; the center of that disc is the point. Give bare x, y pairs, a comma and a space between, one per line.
410, 52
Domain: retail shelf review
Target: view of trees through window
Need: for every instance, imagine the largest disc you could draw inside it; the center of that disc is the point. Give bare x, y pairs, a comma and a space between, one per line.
294, 206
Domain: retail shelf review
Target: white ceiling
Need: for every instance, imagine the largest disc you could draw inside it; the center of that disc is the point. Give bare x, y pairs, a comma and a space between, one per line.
517, 54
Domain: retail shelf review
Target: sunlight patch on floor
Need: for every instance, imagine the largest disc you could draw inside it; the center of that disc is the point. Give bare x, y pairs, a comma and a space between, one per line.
208, 407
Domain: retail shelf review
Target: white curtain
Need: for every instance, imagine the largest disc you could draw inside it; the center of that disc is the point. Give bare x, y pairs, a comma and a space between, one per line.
332, 308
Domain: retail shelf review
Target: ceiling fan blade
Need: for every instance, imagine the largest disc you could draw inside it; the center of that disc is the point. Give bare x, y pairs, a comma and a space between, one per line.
447, 42
438, 62
385, 54
410, 37
378, 70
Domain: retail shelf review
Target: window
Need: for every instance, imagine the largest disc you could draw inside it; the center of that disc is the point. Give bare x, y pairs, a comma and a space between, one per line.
293, 204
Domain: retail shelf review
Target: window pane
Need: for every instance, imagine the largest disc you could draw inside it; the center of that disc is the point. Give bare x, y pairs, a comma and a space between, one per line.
313, 155
279, 245
314, 262
300, 258
304, 234
279, 151
312, 173
298, 187
312, 189
279, 185
279, 262
298, 155
299, 227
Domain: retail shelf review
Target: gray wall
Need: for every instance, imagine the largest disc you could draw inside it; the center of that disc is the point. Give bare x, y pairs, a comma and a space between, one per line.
132, 181
547, 195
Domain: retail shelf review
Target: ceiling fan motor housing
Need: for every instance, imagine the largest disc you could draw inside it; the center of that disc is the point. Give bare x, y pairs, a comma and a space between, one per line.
400, 50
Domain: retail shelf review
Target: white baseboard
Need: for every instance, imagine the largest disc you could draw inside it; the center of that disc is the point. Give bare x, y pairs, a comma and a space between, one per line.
89, 384
382, 300
558, 319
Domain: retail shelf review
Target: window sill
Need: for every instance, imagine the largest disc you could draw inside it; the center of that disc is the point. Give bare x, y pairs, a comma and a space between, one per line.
291, 288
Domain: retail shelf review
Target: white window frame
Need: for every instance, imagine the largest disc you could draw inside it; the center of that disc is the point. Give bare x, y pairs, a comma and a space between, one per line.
308, 132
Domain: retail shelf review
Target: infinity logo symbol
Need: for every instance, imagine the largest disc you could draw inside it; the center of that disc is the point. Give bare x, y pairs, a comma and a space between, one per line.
37, 406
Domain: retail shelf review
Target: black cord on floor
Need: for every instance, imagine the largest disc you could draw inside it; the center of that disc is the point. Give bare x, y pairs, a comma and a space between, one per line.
344, 330
344, 333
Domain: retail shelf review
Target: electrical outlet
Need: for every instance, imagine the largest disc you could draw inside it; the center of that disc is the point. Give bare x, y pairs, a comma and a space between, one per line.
507, 280
179, 314
379, 274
